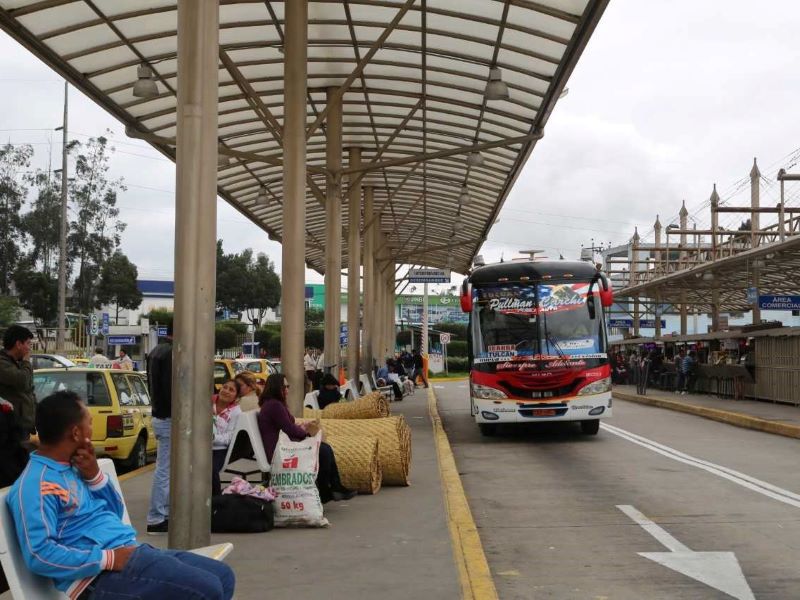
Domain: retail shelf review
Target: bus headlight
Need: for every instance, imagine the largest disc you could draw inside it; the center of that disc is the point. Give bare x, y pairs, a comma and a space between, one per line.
484, 392
596, 387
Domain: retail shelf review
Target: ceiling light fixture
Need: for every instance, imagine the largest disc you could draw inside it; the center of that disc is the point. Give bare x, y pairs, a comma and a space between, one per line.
464, 198
223, 160
261, 199
474, 159
496, 88
145, 86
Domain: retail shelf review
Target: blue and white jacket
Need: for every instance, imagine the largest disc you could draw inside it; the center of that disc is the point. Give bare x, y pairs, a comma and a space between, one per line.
66, 526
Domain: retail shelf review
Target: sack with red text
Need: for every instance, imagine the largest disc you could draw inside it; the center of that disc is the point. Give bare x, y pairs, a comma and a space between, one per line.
294, 478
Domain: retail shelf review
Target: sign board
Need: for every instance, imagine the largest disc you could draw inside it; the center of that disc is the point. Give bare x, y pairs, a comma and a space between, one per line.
723, 322
121, 340
643, 323
444, 338
779, 302
94, 325
104, 324
162, 332
343, 339
429, 275
752, 295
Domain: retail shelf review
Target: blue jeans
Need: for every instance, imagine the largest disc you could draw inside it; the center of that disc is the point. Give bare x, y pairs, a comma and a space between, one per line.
159, 495
159, 574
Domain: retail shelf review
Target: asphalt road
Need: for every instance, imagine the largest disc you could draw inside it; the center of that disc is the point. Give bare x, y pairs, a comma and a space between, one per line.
547, 499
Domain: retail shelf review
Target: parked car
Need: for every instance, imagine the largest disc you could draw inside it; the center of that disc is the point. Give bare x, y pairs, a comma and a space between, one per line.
119, 402
225, 369
260, 367
51, 361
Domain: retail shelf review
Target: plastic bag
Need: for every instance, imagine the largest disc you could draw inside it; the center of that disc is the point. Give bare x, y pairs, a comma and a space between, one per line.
294, 479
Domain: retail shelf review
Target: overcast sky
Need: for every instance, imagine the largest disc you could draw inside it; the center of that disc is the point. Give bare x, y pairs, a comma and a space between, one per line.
667, 99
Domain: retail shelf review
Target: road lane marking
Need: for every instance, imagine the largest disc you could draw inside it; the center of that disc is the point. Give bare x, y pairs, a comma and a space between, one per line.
720, 570
473, 569
746, 481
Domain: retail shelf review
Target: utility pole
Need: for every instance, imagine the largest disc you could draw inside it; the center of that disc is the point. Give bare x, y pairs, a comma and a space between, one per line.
62, 252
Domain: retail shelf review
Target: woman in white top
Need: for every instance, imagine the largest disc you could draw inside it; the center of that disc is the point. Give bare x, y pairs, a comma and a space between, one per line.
226, 412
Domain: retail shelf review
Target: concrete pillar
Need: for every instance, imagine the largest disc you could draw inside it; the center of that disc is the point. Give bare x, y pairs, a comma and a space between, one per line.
354, 270
755, 225
369, 283
424, 342
684, 224
634, 253
657, 255
195, 273
333, 233
636, 316
379, 289
657, 313
684, 315
294, 200
715, 309
390, 286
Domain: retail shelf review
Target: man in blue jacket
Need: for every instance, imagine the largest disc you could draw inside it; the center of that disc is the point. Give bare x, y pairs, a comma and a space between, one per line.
69, 524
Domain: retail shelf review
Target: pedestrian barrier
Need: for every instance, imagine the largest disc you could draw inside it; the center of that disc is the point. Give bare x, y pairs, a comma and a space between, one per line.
246, 444
24, 584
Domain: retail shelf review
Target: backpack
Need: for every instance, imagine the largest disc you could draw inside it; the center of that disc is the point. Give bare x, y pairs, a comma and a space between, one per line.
231, 513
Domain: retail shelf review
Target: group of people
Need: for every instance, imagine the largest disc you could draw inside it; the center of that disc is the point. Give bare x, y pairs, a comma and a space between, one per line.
650, 365
99, 360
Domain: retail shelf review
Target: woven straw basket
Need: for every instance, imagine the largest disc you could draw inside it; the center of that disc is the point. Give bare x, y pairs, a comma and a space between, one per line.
357, 459
371, 406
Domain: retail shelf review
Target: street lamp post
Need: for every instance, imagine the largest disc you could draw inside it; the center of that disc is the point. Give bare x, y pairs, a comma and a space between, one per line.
62, 250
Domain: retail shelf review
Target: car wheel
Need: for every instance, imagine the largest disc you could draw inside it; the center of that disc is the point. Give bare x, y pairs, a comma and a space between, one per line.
138, 457
488, 429
590, 427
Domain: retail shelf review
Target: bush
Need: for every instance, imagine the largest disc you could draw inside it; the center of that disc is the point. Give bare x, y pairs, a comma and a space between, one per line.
403, 338
457, 364
162, 316
263, 336
274, 346
224, 337
315, 337
459, 330
457, 348
237, 326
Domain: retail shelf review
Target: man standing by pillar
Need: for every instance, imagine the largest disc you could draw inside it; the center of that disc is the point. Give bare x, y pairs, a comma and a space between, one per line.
159, 380
16, 378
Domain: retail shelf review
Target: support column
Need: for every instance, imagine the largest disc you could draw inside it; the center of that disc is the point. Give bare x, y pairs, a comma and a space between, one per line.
294, 200
657, 314
715, 309
369, 283
354, 268
333, 234
636, 316
684, 223
195, 273
755, 225
424, 342
684, 315
390, 285
377, 352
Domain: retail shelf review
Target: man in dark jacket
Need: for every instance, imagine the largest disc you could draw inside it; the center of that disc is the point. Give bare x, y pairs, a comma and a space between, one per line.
16, 377
159, 380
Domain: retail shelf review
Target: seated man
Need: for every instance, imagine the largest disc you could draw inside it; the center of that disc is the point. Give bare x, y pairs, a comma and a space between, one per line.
68, 519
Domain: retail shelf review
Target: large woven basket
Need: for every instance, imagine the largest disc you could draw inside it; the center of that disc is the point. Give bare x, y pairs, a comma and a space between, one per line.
370, 406
358, 462
394, 449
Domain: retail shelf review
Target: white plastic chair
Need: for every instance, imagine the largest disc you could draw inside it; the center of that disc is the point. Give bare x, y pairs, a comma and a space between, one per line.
247, 423
364, 379
349, 390
312, 400
25, 584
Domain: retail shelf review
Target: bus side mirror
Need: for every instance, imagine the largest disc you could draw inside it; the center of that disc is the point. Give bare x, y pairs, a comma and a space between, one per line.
606, 293
466, 297
590, 306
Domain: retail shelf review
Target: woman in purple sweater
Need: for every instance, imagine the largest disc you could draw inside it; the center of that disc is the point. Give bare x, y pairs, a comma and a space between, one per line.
274, 417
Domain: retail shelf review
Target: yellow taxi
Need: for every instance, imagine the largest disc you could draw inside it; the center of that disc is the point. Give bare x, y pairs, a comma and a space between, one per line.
225, 369
122, 426
260, 367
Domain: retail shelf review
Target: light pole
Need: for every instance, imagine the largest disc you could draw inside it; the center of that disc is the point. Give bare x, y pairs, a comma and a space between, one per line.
62, 249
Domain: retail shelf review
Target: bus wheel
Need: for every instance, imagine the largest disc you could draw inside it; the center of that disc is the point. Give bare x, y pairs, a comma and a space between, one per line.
488, 429
590, 427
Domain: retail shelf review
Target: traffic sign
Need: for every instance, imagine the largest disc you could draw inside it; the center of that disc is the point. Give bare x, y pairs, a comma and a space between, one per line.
121, 340
444, 338
105, 324
343, 338
752, 295
429, 275
162, 332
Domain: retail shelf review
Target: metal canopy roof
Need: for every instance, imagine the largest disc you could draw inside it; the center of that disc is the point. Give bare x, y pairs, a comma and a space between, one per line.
420, 94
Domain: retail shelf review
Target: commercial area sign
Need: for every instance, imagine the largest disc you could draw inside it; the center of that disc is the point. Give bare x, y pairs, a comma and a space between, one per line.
643, 323
779, 302
121, 340
429, 275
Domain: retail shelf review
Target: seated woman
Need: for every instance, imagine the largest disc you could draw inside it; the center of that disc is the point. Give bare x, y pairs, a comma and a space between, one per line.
328, 391
226, 412
274, 417
248, 390
393, 379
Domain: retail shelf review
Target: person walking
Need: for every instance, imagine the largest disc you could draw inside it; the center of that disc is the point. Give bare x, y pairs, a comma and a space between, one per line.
159, 380
16, 379
99, 360
419, 368
124, 361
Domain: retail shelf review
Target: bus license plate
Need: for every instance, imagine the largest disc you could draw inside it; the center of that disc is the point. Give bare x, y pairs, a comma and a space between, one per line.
544, 412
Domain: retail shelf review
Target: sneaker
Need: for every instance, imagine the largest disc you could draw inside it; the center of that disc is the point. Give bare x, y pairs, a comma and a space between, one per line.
343, 494
158, 528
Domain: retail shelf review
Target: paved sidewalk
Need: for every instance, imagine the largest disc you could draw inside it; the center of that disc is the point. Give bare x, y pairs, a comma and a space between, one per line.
780, 419
394, 545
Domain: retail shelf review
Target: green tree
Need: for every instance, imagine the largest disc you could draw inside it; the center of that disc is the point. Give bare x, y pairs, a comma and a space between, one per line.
162, 316
314, 316
42, 222
118, 284
38, 293
224, 337
96, 231
13, 160
9, 310
247, 284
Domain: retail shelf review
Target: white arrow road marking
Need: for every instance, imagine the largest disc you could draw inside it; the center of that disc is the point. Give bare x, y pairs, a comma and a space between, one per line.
751, 483
719, 570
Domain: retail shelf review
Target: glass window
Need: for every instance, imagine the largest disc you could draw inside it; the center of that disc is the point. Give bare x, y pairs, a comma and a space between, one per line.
124, 391
143, 397
254, 367
220, 373
91, 387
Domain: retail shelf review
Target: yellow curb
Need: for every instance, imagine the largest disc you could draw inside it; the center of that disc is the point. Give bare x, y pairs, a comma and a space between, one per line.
723, 416
473, 570
135, 472
446, 379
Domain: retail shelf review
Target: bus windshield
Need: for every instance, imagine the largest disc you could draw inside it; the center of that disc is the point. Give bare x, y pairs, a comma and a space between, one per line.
545, 321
